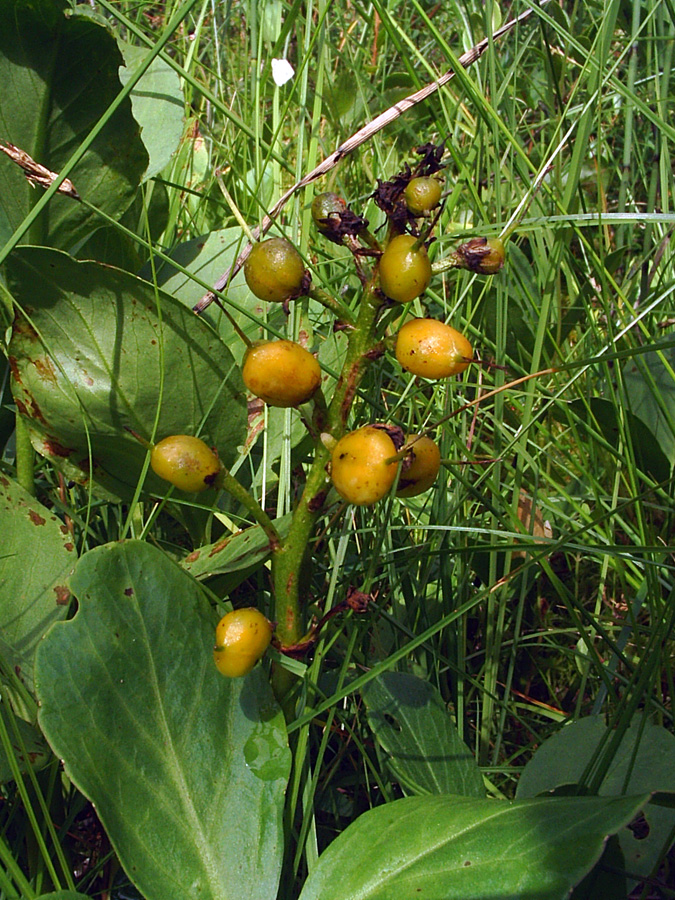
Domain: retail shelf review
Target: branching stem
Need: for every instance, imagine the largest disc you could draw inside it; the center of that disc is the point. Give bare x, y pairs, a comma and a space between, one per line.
290, 557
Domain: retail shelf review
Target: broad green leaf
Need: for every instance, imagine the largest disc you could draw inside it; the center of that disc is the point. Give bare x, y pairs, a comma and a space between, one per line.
112, 247
644, 763
36, 559
99, 351
158, 106
187, 769
147, 216
650, 387
421, 743
28, 748
458, 848
235, 552
59, 75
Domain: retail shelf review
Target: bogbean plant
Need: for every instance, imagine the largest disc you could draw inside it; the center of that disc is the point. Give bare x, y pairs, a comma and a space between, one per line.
153, 695
362, 465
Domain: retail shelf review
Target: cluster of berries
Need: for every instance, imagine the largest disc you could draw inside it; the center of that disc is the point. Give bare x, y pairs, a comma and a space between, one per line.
365, 463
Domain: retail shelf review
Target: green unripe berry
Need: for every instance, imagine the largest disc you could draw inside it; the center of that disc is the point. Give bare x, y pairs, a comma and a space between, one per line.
325, 206
274, 270
422, 194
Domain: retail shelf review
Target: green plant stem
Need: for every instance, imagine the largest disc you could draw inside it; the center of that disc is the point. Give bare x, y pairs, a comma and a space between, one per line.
331, 303
452, 261
25, 456
289, 558
229, 483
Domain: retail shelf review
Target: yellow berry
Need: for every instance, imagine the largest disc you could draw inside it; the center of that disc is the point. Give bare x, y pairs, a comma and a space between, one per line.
405, 270
274, 270
432, 349
282, 373
186, 462
360, 468
425, 461
242, 637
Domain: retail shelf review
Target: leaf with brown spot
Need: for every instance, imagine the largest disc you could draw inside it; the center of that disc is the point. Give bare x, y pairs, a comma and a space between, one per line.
106, 358
34, 567
239, 553
187, 769
61, 590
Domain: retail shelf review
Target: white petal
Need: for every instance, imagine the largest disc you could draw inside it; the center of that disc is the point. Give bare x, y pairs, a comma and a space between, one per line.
282, 71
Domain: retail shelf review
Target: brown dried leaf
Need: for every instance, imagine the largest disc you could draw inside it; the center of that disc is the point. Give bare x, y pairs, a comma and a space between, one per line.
37, 174
536, 526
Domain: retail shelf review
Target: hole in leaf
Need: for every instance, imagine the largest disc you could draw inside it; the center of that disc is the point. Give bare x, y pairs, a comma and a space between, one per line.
392, 722
639, 827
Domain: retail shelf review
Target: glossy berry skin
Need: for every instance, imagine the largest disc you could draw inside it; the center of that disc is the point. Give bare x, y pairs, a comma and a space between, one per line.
405, 271
282, 373
186, 462
425, 462
274, 270
432, 349
422, 195
323, 207
359, 467
242, 636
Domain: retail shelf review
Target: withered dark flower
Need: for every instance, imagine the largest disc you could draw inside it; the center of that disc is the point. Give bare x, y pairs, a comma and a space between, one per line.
485, 256
337, 226
431, 154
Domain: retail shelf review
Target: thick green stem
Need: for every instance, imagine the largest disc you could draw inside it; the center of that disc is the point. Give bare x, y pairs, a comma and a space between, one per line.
25, 456
290, 557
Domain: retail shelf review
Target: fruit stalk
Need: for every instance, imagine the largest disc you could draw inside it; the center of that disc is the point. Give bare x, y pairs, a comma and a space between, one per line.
341, 312
229, 483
